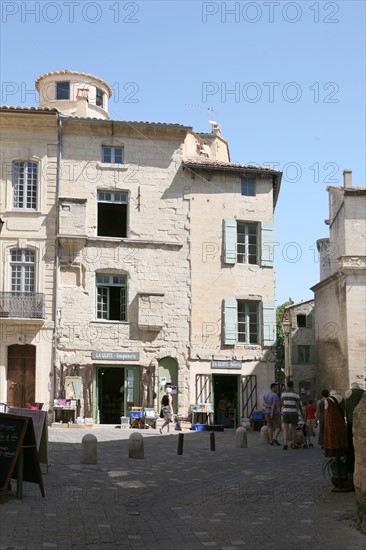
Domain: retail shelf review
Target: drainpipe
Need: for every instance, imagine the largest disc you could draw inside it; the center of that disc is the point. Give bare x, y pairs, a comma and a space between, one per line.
55, 385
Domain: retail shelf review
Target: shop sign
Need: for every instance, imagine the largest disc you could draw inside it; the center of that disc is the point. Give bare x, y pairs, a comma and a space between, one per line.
226, 364
116, 355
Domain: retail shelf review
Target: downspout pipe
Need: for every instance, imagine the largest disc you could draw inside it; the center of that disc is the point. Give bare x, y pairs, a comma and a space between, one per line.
55, 385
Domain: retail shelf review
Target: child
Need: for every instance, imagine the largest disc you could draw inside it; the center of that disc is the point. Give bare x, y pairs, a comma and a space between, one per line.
310, 417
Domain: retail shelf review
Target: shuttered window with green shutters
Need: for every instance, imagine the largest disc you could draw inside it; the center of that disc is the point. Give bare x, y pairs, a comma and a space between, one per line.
241, 242
242, 322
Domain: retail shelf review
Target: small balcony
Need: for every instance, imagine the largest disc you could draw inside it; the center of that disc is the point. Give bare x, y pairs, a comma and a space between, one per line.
22, 305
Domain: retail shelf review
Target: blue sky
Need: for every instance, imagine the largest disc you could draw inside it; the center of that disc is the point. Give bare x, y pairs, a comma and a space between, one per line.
286, 81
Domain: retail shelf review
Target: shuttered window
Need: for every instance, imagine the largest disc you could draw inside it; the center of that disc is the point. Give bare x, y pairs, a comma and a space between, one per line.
248, 242
249, 322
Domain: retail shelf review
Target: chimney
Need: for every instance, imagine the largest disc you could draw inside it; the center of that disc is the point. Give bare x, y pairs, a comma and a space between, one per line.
347, 178
82, 102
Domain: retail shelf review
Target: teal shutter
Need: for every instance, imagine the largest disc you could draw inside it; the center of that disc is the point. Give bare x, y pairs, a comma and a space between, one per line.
230, 241
267, 256
309, 321
269, 323
230, 321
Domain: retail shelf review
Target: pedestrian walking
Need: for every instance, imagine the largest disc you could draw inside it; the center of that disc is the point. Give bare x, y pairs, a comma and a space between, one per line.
319, 415
290, 401
167, 406
310, 417
272, 404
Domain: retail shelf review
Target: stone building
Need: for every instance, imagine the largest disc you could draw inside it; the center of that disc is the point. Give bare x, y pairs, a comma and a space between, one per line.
300, 351
27, 276
340, 297
163, 267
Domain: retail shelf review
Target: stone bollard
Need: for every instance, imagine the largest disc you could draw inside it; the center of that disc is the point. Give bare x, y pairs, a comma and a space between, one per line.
241, 437
264, 435
136, 446
88, 453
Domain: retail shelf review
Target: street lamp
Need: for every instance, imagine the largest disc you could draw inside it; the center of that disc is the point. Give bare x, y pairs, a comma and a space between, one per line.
287, 330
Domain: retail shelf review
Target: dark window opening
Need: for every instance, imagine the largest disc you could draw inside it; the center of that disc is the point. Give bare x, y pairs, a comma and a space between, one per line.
301, 321
99, 98
62, 90
112, 220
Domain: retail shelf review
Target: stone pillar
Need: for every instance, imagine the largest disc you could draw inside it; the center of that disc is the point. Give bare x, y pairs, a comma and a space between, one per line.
136, 446
359, 476
241, 437
88, 453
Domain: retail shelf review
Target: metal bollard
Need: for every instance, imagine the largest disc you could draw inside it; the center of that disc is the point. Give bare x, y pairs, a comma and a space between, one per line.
89, 453
136, 446
180, 444
241, 437
212, 441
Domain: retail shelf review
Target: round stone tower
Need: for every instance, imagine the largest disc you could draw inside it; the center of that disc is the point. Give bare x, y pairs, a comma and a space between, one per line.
74, 94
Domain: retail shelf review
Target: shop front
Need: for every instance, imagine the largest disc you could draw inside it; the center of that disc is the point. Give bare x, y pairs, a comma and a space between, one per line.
231, 394
120, 386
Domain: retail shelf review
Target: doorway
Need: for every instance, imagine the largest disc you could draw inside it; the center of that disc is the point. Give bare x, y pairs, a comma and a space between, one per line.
111, 393
226, 389
21, 375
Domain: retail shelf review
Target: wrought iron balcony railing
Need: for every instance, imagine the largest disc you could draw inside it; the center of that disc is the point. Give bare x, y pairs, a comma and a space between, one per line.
23, 305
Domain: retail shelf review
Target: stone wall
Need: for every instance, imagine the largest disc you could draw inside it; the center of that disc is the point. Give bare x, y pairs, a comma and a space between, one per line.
359, 477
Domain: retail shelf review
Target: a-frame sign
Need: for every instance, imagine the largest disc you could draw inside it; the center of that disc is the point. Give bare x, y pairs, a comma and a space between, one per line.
18, 454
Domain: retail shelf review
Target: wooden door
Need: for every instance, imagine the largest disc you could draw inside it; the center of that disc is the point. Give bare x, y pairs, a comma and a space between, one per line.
21, 375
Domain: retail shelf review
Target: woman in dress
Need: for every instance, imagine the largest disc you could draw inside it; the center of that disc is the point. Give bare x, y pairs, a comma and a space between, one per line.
167, 406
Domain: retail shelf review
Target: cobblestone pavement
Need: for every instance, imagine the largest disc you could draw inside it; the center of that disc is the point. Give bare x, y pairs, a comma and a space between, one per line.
259, 497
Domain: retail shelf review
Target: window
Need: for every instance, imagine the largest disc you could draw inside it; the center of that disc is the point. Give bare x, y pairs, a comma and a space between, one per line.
248, 187
111, 297
112, 155
22, 270
112, 214
249, 322
248, 242
99, 97
301, 320
303, 354
63, 90
25, 181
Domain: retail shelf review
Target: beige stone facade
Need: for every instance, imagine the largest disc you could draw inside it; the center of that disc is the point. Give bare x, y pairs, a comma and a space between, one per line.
340, 298
164, 269
27, 278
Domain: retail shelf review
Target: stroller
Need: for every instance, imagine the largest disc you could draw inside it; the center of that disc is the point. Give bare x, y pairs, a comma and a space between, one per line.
303, 436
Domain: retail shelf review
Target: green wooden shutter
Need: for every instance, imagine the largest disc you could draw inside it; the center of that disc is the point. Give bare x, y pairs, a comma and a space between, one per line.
230, 321
230, 241
312, 354
269, 323
267, 258
309, 321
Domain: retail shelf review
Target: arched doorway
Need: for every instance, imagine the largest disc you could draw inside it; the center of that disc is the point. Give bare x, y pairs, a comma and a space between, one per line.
168, 375
21, 375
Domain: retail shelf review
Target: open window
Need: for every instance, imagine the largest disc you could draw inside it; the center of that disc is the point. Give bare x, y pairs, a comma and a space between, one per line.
112, 214
111, 297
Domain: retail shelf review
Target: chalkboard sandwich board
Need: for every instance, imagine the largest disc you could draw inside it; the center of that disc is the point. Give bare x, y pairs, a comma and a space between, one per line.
18, 453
